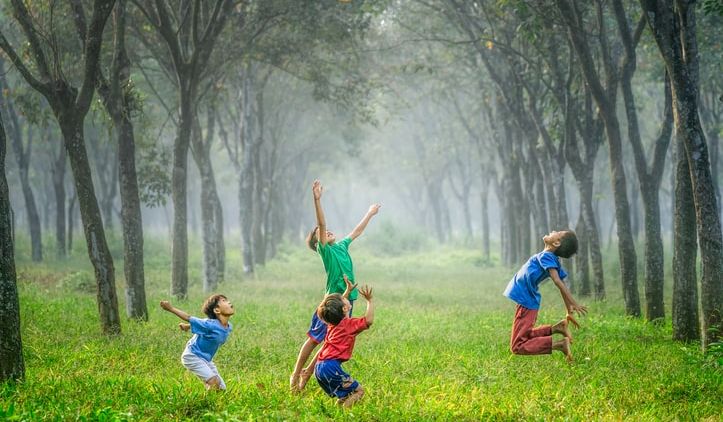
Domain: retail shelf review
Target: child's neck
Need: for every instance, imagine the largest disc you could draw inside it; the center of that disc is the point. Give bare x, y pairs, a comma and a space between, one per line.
549, 248
223, 319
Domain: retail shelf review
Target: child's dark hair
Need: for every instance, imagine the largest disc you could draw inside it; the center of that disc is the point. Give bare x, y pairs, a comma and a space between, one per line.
568, 245
331, 309
312, 240
210, 304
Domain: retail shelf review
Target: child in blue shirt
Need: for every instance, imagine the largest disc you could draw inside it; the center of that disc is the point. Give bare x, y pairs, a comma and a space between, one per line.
527, 339
208, 335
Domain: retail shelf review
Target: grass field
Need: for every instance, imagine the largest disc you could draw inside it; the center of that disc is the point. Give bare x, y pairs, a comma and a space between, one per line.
438, 349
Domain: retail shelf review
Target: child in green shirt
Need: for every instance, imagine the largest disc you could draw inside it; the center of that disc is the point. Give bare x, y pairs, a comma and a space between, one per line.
338, 265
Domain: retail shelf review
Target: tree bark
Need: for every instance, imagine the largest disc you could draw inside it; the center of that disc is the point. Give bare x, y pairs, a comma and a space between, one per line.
98, 251
674, 30
12, 366
59, 165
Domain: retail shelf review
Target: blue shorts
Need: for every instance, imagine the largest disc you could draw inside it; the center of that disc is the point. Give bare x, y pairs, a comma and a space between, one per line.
317, 328
333, 380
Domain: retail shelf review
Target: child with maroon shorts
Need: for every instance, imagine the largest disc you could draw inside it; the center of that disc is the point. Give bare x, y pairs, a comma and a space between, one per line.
527, 339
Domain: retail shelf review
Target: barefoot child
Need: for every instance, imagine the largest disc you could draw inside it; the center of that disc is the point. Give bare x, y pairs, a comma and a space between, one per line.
208, 334
523, 289
339, 344
337, 263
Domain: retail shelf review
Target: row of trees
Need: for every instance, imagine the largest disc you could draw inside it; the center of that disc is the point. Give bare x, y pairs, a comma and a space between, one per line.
530, 89
537, 90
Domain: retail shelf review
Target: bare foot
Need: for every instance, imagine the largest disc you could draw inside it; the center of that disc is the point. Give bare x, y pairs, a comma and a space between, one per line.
563, 327
304, 378
563, 346
294, 382
353, 398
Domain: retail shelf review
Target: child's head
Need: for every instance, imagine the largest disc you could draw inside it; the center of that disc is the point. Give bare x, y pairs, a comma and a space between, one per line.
313, 238
217, 305
562, 243
333, 308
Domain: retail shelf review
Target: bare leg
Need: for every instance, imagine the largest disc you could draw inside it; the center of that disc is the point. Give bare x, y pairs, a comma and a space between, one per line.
564, 347
563, 328
306, 349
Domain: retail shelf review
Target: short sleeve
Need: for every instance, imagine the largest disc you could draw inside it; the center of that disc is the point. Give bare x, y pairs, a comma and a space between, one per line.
549, 261
345, 242
357, 325
199, 326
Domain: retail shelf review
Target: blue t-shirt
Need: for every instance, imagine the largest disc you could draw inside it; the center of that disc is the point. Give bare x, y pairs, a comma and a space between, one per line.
523, 286
208, 335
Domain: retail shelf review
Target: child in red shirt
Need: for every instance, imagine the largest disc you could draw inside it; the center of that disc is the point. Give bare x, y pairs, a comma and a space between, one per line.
339, 344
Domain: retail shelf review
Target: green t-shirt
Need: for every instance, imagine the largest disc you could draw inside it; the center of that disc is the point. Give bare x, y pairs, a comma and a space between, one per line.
337, 262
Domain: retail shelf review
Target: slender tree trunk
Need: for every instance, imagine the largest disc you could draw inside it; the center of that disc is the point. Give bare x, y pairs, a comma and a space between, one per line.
71, 221
60, 197
12, 366
686, 325
583, 252
98, 251
484, 209
179, 195
246, 175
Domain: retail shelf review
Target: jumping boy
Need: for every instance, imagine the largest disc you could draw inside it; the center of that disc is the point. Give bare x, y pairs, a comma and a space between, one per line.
337, 262
208, 335
339, 344
523, 289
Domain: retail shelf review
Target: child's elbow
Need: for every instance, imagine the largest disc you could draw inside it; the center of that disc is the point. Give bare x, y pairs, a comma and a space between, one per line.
369, 322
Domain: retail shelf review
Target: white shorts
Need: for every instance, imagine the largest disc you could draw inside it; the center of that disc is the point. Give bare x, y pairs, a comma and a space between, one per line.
201, 368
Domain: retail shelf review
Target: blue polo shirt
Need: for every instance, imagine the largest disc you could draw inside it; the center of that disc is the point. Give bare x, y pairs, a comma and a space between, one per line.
523, 288
208, 336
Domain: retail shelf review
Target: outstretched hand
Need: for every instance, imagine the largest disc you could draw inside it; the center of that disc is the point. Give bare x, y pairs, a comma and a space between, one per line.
349, 286
366, 291
374, 209
580, 309
166, 305
317, 189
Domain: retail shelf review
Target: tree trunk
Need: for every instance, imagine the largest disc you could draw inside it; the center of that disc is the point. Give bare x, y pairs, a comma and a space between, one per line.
12, 366
583, 252
71, 221
484, 209
60, 197
98, 251
179, 195
246, 175
686, 325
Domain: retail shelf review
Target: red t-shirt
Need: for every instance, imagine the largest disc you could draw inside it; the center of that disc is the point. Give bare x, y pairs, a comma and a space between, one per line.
339, 340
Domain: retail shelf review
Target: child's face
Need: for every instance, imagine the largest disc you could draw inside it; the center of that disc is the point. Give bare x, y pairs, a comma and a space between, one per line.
330, 238
553, 239
347, 305
224, 307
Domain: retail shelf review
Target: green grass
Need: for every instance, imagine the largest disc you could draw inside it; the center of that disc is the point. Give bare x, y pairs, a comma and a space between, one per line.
437, 351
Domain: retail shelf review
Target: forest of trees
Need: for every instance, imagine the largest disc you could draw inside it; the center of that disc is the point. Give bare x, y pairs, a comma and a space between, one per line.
488, 123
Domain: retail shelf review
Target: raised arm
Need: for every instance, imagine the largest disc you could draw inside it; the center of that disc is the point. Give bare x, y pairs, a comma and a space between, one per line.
359, 229
179, 313
570, 304
366, 291
316, 188
349, 286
